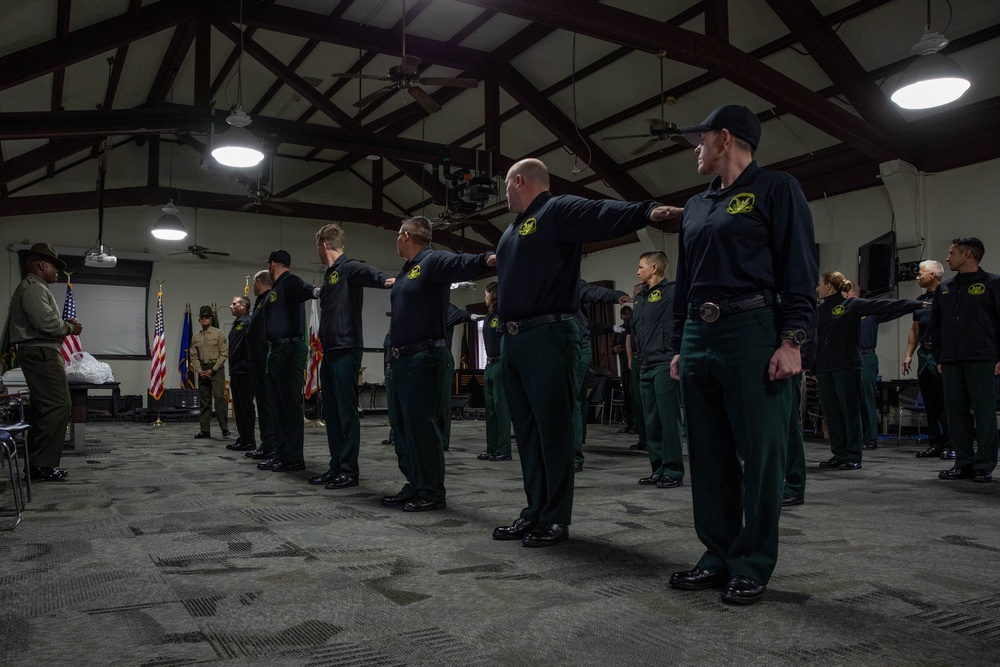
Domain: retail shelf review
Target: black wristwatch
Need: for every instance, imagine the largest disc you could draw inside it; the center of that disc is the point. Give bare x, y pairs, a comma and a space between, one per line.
797, 336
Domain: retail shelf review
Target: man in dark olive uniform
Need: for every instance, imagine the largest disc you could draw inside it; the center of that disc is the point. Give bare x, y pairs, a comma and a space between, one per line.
341, 299
538, 264
284, 325
387, 365
965, 339
240, 382
209, 351
256, 345
635, 361
746, 278
497, 412
420, 401
618, 347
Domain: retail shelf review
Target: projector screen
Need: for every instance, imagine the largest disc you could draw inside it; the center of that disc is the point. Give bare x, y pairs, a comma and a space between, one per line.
113, 318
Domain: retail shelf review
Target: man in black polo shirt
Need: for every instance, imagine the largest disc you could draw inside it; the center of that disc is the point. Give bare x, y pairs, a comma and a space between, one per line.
420, 400
284, 324
497, 412
618, 347
965, 340
240, 383
538, 264
746, 245
256, 345
341, 299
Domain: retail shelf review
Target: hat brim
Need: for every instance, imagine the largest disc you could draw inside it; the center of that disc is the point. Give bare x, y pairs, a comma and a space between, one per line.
27, 253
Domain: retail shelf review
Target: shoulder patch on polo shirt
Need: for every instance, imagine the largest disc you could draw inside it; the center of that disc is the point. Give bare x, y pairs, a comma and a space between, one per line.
654, 296
977, 289
494, 322
414, 273
273, 297
839, 310
239, 326
741, 203
334, 278
529, 226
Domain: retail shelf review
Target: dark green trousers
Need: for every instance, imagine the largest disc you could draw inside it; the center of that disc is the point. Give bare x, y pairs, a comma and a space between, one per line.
795, 466
49, 409
970, 401
388, 401
539, 368
209, 389
447, 398
286, 365
241, 391
580, 409
932, 390
497, 412
339, 379
840, 397
265, 404
420, 408
639, 419
661, 406
734, 412
869, 412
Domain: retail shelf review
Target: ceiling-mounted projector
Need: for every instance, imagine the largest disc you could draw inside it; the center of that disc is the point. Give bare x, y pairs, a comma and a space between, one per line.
100, 260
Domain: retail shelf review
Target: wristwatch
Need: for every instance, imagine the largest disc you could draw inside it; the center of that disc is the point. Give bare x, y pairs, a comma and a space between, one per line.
797, 336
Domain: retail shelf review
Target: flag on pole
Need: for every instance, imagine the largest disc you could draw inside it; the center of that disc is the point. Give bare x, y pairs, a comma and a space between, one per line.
71, 343
184, 359
8, 353
315, 352
158, 371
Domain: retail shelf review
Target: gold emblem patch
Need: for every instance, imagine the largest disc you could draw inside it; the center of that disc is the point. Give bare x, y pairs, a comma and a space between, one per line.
414, 273
239, 326
977, 289
334, 278
654, 296
529, 226
741, 203
273, 297
494, 322
838, 310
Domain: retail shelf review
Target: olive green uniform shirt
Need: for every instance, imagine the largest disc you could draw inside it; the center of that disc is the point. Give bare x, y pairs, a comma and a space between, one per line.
34, 315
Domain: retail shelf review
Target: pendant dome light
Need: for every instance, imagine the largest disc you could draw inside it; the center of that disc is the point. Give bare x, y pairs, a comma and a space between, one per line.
238, 147
933, 79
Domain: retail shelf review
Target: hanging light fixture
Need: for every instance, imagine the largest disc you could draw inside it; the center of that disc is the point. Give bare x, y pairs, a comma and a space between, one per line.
932, 79
169, 227
238, 147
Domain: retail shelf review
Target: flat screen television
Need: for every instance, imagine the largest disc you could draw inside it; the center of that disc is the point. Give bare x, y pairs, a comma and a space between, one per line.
877, 265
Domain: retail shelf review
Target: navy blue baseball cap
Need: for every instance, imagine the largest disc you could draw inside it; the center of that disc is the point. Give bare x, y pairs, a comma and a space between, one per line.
740, 121
280, 256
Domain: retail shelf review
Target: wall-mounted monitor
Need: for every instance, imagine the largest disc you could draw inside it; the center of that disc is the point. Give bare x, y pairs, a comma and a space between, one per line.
877, 265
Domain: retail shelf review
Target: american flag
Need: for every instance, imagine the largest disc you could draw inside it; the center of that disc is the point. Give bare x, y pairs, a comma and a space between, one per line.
158, 373
71, 343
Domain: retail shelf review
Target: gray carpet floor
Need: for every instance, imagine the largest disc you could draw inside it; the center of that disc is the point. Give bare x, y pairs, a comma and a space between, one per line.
175, 551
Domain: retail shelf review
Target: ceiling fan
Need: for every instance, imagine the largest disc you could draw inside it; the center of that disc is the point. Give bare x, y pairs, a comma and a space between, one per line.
199, 251
256, 192
406, 76
659, 128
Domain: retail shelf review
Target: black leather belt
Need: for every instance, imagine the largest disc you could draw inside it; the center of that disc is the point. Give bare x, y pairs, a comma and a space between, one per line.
868, 350
925, 346
279, 341
710, 311
398, 352
514, 328
492, 360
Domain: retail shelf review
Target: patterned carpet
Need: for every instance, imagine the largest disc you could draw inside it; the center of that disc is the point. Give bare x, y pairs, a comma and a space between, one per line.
174, 551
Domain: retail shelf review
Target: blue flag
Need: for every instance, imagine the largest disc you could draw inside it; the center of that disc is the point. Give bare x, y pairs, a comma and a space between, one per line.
184, 360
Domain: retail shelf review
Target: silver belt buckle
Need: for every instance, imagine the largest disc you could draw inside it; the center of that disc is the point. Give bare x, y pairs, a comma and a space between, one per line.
395, 352
513, 328
709, 312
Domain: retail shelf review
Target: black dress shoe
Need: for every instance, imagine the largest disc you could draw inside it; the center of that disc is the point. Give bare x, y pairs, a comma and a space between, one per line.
948, 454
696, 579
741, 590
47, 474
545, 534
849, 465
870, 444
323, 479
485, 456
287, 466
625, 429
834, 462
577, 467
422, 505
789, 500
266, 464
957, 473
931, 452
651, 480
397, 500
259, 454
240, 447
983, 477
226, 434
638, 447
387, 441
500, 457
669, 483
342, 482
202, 434
514, 531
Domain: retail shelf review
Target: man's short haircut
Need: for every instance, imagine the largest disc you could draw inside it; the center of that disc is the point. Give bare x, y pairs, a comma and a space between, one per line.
242, 300
745, 145
419, 228
972, 244
655, 257
533, 171
933, 266
263, 277
332, 235
625, 309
